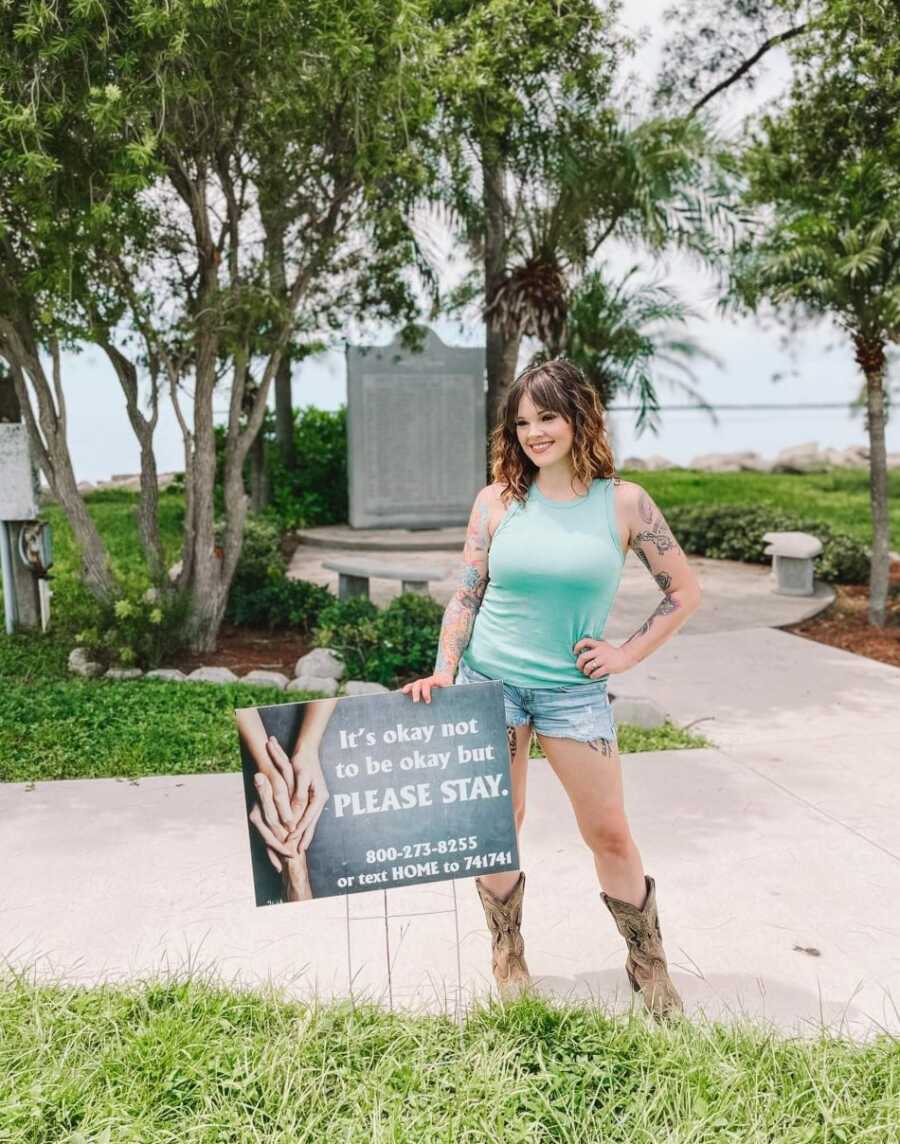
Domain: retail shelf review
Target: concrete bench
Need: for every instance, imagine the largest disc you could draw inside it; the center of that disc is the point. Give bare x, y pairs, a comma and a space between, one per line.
792, 561
354, 576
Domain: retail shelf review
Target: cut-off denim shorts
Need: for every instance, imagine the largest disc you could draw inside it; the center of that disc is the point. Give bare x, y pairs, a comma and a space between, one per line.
581, 711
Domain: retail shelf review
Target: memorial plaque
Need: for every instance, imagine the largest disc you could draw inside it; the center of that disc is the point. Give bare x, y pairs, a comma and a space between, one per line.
416, 434
18, 479
411, 792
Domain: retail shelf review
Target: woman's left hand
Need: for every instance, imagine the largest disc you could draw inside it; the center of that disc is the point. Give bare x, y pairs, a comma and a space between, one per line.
598, 658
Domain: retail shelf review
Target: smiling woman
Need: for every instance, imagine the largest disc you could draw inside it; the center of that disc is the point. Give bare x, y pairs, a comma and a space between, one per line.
542, 564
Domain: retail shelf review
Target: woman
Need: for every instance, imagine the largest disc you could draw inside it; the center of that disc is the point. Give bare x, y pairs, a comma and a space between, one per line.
543, 556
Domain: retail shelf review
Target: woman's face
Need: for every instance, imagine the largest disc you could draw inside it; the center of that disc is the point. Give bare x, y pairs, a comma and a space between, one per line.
545, 436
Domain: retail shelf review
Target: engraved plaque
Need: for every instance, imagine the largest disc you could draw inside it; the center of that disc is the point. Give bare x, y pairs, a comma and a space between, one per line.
416, 434
18, 478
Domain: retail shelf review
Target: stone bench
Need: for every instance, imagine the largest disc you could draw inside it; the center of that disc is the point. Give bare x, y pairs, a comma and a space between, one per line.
792, 561
354, 576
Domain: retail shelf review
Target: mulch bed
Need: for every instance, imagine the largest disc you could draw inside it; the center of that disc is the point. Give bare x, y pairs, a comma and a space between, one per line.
846, 623
249, 649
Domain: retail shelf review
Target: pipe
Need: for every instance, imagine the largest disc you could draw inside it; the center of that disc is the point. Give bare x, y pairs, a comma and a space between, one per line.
9, 584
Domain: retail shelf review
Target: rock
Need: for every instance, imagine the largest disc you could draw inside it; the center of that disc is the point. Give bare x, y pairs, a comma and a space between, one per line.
85, 487
361, 687
171, 674
80, 663
634, 463
893, 460
321, 683
804, 458
637, 711
655, 462
716, 463
266, 679
124, 673
321, 662
212, 675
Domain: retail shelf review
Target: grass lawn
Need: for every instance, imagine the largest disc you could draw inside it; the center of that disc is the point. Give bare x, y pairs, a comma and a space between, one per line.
840, 498
190, 1062
54, 726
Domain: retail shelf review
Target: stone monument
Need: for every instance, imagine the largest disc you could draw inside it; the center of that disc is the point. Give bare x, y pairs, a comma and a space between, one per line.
18, 518
416, 434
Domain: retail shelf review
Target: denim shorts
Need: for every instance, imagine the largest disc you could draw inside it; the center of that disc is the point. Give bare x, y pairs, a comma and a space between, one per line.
580, 711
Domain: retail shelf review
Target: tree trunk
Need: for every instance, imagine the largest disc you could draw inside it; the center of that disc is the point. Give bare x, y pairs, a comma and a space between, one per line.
284, 414
47, 433
10, 410
501, 350
871, 359
259, 477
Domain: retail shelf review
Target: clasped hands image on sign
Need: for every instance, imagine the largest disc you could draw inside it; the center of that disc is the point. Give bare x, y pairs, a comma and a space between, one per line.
352, 794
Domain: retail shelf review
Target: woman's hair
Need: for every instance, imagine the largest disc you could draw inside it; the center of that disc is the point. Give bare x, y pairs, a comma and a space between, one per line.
560, 386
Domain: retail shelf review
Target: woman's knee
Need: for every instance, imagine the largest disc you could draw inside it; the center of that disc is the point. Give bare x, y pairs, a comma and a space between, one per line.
611, 837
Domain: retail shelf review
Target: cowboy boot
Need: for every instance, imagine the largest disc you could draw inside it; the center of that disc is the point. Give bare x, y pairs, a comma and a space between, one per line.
646, 961
508, 945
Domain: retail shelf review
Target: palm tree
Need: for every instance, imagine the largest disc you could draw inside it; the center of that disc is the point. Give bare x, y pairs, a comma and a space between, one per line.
832, 249
628, 338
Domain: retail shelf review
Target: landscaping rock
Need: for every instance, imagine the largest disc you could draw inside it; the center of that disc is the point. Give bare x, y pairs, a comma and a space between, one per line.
212, 675
634, 463
124, 673
81, 664
361, 687
321, 662
729, 462
800, 459
266, 679
171, 674
637, 711
655, 462
321, 683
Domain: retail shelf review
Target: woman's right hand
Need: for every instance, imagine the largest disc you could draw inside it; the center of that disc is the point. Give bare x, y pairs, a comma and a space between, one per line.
421, 688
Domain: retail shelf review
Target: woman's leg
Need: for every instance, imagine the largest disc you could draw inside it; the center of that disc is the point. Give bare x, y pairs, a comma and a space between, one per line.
504, 883
592, 776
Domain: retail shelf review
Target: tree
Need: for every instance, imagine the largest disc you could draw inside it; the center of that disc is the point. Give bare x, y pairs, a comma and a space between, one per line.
147, 188
625, 337
564, 166
824, 170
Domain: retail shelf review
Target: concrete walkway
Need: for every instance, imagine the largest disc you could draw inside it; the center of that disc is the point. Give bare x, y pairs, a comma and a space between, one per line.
776, 856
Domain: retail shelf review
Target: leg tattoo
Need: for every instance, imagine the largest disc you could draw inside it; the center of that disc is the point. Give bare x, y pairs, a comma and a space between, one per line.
604, 745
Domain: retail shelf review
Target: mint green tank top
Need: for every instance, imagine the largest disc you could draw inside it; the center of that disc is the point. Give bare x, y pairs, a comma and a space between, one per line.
554, 569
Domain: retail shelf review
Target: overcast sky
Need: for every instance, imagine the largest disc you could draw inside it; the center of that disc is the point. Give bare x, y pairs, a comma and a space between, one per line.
760, 362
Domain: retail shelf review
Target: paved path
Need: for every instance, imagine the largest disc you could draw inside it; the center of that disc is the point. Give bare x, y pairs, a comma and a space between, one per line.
776, 851
776, 856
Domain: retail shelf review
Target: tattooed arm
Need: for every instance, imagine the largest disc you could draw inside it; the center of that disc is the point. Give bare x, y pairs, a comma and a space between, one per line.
654, 545
459, 616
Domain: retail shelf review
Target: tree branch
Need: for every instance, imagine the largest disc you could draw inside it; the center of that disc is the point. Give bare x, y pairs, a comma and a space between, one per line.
747, 64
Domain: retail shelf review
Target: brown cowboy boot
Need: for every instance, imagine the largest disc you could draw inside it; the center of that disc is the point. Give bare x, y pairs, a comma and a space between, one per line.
646, 961
508, 945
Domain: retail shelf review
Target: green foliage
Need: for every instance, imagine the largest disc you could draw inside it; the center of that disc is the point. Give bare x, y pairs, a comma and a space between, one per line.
389, 645
184, 1058
735, 532
282, 604
314, 492
136, 630
624, 335
54, 726
261, 561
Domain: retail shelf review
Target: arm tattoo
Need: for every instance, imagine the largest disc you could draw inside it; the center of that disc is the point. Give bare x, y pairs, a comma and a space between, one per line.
656, 532
665, 608
459, 615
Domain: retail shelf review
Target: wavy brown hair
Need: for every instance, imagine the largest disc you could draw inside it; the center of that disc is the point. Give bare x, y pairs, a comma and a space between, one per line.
560, 386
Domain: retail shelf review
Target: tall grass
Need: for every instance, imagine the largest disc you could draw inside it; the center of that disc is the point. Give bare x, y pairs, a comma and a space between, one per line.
192, 1061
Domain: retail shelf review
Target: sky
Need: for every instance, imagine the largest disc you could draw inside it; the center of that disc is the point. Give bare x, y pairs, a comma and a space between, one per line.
760, 362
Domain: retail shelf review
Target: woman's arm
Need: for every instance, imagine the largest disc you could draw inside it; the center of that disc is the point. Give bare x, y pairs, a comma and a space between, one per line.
654, 545
459, 615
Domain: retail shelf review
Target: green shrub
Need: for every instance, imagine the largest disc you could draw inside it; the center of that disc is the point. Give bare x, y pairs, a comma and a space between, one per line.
386, 645
281, 604
735, 532
315, 491
136, 630
261, 561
